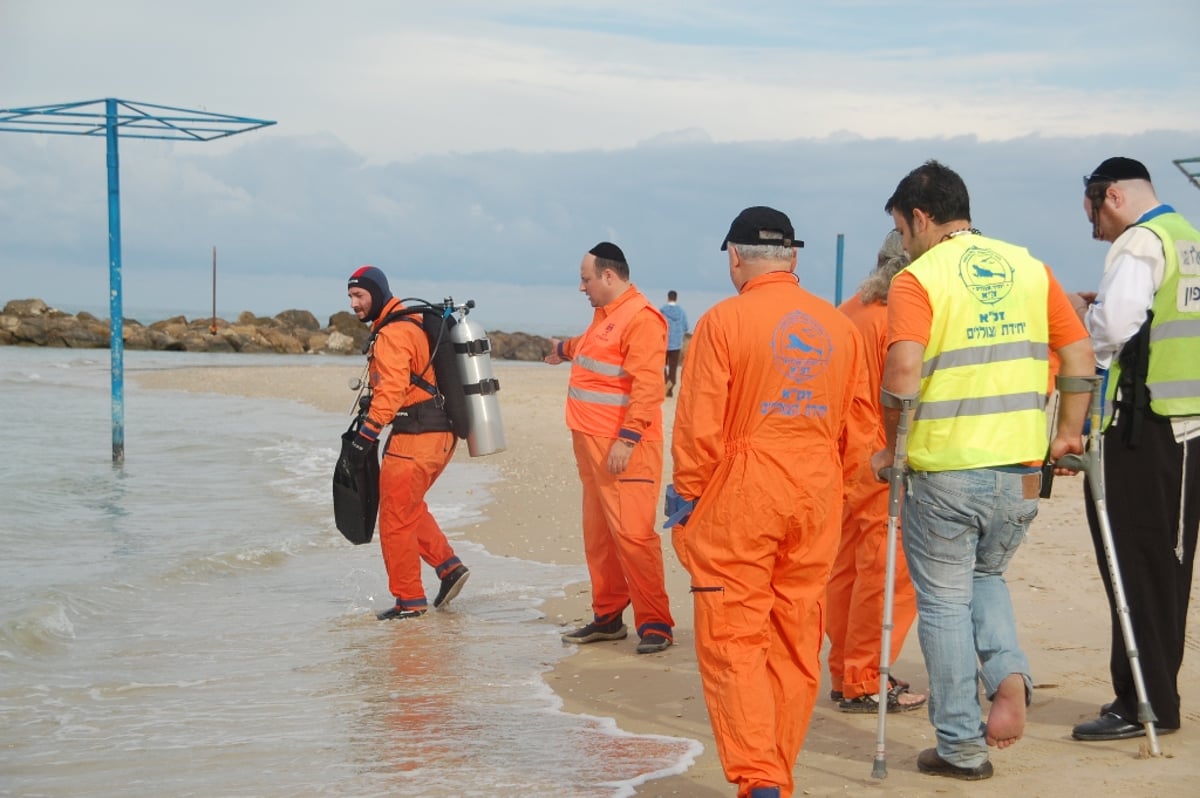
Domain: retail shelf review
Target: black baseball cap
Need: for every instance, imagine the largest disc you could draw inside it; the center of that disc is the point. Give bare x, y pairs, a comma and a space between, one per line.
1114, 169
761, 225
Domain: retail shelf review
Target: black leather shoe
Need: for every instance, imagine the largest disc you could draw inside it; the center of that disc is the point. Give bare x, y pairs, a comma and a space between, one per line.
929, 762
1111, 726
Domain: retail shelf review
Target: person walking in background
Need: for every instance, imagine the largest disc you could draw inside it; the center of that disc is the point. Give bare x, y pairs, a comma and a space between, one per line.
677, 327
970, 326
1145, 327
416, 452
772, 416
856, 587
614, 411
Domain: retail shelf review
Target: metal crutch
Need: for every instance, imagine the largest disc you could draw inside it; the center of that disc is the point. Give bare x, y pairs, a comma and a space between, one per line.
895, 478
1092, 464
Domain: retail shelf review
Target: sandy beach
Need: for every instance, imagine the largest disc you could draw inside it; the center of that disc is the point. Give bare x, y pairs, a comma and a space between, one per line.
1062, 615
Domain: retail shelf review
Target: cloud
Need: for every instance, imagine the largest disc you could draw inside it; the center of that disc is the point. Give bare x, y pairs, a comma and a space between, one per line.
487, 144
399, 81
291, 216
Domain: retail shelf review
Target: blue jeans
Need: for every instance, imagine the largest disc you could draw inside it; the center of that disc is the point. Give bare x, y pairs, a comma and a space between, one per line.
961, 529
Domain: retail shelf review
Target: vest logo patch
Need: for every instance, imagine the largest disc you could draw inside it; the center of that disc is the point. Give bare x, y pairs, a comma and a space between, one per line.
1188, 300
1188, 253
800, 347
986, 274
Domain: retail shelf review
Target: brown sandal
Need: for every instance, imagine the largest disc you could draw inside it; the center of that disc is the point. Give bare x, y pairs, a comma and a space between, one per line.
869, 703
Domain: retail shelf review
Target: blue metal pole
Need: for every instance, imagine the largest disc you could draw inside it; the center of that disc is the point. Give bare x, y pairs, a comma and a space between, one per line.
841, 254
115, 313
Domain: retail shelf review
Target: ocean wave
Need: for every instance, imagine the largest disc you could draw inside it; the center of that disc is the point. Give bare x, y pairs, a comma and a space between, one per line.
41, 629
230, 563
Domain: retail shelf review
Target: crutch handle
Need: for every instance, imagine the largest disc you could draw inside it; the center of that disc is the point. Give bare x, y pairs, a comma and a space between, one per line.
1075, 462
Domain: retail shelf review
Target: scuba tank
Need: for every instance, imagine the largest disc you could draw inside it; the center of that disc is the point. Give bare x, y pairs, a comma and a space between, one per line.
464, 398
472, 354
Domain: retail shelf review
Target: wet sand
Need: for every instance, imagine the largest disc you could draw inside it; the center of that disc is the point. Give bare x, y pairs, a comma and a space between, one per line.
1057, 593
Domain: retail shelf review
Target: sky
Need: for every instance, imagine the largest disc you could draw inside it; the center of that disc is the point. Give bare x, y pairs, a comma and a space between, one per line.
478, 149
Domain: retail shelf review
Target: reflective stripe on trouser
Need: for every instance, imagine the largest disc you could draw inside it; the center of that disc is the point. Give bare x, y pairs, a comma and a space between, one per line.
623, 548
854, 598
408, 532
758, 599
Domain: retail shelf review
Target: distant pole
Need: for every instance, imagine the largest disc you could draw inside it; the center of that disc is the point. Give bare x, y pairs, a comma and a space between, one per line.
213, 327
116, 314
841, 254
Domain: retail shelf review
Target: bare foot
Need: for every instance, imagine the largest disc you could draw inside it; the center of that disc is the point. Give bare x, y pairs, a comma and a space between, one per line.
909, 701
1006, 721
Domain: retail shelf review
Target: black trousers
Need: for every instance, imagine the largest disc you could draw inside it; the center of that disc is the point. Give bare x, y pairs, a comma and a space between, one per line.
1142, 492
672, 364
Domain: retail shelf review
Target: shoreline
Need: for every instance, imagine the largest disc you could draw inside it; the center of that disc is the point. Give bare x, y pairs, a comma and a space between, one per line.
533, 514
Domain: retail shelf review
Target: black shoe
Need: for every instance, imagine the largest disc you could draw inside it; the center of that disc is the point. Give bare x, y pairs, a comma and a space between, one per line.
652, 642
613, 630
836, 696
929, 762
1111, 726
452, 584
398, 613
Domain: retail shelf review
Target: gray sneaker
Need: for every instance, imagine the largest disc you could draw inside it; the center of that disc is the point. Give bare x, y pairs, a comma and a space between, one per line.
613, 630
652, 643
452, 585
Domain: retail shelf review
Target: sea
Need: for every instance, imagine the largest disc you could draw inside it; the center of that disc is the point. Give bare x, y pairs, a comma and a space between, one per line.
191, 623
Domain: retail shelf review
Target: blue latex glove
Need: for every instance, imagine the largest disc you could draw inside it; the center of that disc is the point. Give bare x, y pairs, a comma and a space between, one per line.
677, 508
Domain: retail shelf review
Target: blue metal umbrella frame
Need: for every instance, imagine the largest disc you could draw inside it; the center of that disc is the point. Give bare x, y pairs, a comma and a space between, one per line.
114, 118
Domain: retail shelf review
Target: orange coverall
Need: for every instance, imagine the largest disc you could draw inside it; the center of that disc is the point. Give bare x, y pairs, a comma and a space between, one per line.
773, 413
856, 587
622, 545
408, 532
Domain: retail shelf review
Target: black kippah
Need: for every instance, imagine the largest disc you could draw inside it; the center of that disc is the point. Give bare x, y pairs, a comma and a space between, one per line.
1119, 168
608, 251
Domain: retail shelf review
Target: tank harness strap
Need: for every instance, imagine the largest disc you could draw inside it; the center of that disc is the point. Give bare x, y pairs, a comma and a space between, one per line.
426, 416
483, 387
479, 346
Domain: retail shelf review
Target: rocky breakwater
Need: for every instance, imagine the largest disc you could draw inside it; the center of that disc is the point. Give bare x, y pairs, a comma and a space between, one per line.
31, 322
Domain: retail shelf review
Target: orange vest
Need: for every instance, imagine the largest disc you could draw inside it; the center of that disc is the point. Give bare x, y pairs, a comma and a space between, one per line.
599, 391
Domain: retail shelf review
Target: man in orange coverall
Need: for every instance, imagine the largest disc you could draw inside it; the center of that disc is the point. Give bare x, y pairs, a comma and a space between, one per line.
614, 411
856, 588
417, 450
772, 418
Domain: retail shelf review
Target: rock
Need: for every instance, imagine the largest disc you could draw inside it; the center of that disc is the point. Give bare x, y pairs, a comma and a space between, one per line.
31, 322
299, 319
338, 343
26, 307
518, 346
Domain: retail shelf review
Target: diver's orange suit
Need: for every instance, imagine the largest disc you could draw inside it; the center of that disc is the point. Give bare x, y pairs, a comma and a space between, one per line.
854, 599
616, 393
773, 413
408, 532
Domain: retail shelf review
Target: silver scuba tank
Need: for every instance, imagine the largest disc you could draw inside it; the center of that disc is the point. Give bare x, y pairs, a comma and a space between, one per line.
472, 354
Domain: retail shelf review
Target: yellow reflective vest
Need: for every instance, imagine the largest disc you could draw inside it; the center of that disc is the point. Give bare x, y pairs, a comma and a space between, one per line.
1173, 371
986, 366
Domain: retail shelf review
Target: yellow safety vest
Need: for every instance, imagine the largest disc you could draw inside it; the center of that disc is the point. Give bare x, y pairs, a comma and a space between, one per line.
986, 366
1173, 371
